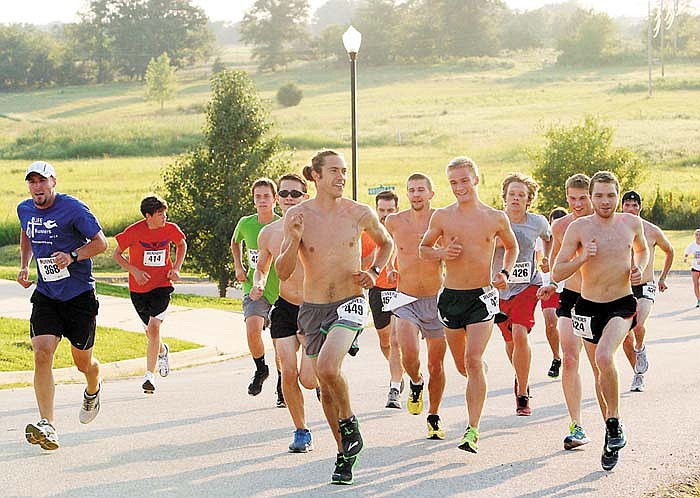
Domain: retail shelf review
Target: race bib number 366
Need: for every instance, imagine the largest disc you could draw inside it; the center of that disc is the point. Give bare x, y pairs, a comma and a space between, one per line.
354, 311
49, 270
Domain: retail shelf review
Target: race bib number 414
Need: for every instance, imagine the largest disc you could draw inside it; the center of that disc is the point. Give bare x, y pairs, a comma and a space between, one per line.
154, 258
354, 311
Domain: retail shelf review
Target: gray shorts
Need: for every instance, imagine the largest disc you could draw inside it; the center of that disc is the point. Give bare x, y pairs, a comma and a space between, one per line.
259, 308
316, 320
423, 313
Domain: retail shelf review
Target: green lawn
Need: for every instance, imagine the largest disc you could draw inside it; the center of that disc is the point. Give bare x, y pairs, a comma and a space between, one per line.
110, 345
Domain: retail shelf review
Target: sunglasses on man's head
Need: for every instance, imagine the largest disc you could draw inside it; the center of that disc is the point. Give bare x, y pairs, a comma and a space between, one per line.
294, 193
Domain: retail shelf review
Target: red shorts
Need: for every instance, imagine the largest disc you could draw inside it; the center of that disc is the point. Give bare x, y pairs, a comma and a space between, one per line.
552, 302
520, 310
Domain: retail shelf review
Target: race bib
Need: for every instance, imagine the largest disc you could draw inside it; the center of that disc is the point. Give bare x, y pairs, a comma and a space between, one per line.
490, 299
387, 296
398, 300
354, 311
50, 272
582, 326
253, 258
521, 273
154, 258
649, 290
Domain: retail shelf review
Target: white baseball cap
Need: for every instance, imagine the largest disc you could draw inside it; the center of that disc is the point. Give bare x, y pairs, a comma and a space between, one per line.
42, 168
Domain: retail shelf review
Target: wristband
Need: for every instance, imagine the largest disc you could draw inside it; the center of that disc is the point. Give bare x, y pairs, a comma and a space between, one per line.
506, 273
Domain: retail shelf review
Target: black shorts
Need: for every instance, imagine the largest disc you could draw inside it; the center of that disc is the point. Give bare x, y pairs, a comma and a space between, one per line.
459, 308
567, 300
283, 319
153, 303
601, 313
380, 318
74, 319
645, 291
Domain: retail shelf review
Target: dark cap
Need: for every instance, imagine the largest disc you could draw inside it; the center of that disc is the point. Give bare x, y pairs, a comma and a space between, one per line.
631, 195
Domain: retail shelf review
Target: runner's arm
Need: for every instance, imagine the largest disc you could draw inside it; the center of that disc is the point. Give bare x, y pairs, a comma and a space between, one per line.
25, 257
567, 262
379, 235
262, 268
427, 249
236, 252
640, 247
286, 262
180, 252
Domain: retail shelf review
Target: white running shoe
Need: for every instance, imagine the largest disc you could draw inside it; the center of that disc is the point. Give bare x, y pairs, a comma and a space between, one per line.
43, 434
641, 365
638, 384
164, 361
91, 406
149, 383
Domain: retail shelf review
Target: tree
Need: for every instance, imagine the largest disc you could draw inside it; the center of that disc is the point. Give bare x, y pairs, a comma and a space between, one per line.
332, 12
380, 22
160, 79
588, 39
208, 188
272, 27
581, 148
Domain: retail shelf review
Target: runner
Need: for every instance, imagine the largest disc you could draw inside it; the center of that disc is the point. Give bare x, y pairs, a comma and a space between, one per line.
694, 251
386, 203
469, 301
283, 316
324, 234
62, 235
598, 246
255, 313
415, 306
579, 201
549, 307
519, 299
634, 347
151, 277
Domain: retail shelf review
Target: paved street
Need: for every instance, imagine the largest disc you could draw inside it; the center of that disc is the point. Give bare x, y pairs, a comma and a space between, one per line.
202, 435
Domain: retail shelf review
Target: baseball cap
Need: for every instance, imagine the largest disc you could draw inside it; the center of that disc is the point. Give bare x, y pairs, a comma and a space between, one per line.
631, 195
42, 168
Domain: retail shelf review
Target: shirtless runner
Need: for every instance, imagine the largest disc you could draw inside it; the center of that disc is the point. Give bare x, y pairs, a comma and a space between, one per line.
324, 234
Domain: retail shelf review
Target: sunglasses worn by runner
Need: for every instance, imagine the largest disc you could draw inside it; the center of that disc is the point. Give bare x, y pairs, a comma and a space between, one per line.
294, 193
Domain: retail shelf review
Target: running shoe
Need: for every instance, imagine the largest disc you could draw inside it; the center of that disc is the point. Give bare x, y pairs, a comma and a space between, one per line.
259, 377
91, 405
354, 347
343, 469
554, 368
302, 441
393, 400
615, 438
415, 398
470, 440
280, 395
43, 434
641, 365
435, 430
609, 458
697, 305
164, 361
523, 409
350, 436
577, 437
149, 383
638, 384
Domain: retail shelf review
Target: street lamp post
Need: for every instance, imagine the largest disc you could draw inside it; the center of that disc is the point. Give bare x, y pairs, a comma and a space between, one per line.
352, 40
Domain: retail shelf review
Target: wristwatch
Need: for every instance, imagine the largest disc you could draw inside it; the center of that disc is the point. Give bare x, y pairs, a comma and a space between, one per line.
74, 256
506, 273
377, 270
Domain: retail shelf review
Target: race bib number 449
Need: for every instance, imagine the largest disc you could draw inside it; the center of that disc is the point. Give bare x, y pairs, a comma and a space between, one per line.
50, 272
354, 311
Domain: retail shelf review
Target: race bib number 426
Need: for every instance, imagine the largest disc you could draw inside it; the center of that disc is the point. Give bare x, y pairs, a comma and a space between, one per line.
50, 272
521, 273
354, 311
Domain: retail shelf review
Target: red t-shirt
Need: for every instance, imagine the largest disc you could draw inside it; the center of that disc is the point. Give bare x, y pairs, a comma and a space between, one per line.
149, 250
368, 246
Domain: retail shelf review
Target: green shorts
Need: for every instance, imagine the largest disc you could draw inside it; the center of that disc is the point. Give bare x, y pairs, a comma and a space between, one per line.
316, 320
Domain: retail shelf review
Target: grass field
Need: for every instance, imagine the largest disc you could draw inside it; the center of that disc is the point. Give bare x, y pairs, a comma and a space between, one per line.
113, 345
496, 115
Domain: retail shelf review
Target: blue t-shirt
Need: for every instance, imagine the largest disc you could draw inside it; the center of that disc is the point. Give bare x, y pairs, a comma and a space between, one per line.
64, 226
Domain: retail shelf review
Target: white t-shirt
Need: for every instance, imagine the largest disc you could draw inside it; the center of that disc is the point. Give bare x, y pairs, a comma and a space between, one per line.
694, 251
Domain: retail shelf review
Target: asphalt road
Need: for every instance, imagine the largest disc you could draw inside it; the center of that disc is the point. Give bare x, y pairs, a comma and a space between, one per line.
202, 435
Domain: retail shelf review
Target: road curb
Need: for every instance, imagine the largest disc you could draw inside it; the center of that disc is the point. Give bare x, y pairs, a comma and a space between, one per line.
123, 368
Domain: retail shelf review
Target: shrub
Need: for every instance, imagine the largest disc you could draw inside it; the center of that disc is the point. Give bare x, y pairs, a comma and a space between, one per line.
289, 95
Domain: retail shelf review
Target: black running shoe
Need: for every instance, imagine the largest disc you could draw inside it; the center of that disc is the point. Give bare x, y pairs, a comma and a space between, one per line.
280, 400
614, 436
350, 437
343, 469
354, 347
608, 459
256, 384
554, 368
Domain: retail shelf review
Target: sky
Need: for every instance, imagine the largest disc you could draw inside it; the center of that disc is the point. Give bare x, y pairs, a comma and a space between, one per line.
46, 11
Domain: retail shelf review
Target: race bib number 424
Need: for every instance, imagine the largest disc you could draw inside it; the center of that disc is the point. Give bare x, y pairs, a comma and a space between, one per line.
50, 272
582, 326
354, 311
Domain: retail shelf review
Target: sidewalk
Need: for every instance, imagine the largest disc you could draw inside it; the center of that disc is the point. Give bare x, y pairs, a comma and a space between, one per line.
221, 332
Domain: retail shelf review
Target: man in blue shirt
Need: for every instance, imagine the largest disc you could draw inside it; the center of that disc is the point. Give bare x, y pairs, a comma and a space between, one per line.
62, 235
